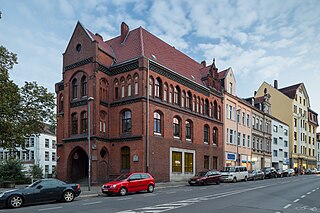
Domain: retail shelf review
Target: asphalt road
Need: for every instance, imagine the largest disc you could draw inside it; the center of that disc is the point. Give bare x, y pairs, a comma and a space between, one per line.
292, 194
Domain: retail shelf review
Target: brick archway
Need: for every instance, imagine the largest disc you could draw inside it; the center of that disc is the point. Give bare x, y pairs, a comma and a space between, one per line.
78, 165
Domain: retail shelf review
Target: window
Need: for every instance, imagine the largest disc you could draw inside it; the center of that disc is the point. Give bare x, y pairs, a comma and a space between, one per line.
231, 136
116, 90
61, 103
183, 96
243, 119
74, 89
46, 156
84, 122
103, 90
206, 134
53, 156
136, 85
74, 124
54, 143
103, 122
156, 123
150, 86
46, 143
248, 120
198, 105
157, 89
239, 138
206, 107
230, 112
177, 97
32, 155
176, 128
295, 136
286, 154
84, 84
46, 169
129, 86
188, 100
126, 121
122, 88
286, 132
125, 158
275, 153
215, 136
244, 140
275, 140
285, 143
177, 162
295, 149
215, 163
165, 92
188, 162
215, 110
188, 130
230, 88
206, 162
275, 128
170, 94
248, 141
31, 142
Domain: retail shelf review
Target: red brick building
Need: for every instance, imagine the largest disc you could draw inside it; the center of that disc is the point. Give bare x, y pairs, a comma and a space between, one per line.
184, 131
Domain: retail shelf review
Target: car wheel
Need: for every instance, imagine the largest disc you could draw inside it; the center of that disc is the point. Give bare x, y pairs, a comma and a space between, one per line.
123, 191
150, 188
68, 196
245, 179
234, 179
218, 182
262, 177
15, 201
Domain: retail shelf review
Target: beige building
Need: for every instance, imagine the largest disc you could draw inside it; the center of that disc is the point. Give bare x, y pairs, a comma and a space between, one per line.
237, 124
290, 105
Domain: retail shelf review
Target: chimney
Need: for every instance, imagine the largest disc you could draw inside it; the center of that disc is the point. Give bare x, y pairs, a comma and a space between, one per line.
275, 84
252, 101
204, 64
124, 31
99, 36
255, 92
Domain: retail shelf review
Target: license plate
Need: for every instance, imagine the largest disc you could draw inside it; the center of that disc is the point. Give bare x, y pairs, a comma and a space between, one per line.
105, 190
192, 182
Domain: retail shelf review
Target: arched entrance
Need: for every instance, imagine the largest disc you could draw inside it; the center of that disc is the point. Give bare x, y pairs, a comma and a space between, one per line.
78, 165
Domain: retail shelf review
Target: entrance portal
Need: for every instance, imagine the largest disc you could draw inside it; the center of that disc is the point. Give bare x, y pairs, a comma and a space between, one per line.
78, 165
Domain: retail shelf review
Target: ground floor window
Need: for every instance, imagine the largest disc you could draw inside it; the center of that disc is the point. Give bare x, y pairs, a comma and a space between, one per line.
176, 162
215, 163
188, 162
206, 162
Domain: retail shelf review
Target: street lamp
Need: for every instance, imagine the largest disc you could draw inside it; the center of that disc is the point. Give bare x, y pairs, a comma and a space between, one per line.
89, 145
238, 139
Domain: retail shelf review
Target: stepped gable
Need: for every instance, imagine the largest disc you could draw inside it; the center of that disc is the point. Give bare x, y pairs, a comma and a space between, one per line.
140, 42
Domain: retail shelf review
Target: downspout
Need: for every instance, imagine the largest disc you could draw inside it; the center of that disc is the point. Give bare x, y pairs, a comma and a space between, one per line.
147, 120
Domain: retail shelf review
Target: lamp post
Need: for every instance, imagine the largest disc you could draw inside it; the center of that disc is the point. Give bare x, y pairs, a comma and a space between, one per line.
238, 139
89, 145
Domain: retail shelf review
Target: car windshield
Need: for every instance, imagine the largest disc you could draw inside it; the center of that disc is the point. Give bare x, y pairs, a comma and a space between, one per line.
201, 174
253, 172
229, 169
122, 177
34, 184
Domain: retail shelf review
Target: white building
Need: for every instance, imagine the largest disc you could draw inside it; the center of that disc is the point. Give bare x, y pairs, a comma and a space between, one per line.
280, 145
318, 150
40, 149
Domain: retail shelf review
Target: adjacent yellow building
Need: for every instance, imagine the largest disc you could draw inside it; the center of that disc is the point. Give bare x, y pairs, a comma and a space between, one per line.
292, 106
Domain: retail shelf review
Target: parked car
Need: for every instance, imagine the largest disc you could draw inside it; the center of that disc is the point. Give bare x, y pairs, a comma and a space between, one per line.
307, 172
291, 172
270, 172
234, 174
314, 171
127, 183
282, 173
205, 177
40, 191
256, 175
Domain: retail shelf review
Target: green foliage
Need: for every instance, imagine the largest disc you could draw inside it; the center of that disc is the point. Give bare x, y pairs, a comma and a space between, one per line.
36, 171
11, 170
22, 110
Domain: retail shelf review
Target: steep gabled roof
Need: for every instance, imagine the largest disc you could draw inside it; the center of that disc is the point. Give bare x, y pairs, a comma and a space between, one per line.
102, 45
223, 74
140, 42
290, 91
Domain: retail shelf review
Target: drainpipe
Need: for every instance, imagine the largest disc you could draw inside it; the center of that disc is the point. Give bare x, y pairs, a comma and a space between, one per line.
147, 121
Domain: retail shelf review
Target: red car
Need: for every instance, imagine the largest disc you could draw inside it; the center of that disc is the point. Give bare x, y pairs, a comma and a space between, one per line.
205, 177
132, 182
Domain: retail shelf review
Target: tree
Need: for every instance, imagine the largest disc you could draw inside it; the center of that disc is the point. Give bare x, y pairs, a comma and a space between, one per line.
11, 170
23, 111
36, 171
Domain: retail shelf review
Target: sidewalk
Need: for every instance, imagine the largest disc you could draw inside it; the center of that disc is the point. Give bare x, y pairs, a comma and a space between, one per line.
96, 190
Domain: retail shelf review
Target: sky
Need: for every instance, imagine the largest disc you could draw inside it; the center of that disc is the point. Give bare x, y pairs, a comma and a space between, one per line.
262, 40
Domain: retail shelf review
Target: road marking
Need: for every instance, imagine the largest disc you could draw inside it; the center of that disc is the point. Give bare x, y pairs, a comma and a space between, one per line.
287, 206
296, 200
58, 207
317, 188
308, 193
187, 190
85, 204
150, 195
127, 198
303, 196
171, 192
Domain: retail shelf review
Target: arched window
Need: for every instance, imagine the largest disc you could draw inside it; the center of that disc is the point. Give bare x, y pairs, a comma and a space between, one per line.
158, 88
188, 100
177, 95
194, 100
74, 88
116, 89
201, 106
210, 110
150, 86
188, 130
198, 104
215, 110
136, 85
206, 134
103, 122
103, 153
122, 88
219, 113
103, 90
176, 127
84, 88
84, 122
126, 121
215, 136
157, 123
74, 124
170, 94
165, 92
183, 97
61, 103
129, 86
125, 158
206, 107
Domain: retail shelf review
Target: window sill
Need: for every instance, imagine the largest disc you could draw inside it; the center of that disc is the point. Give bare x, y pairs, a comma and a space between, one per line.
157, 134
175, 137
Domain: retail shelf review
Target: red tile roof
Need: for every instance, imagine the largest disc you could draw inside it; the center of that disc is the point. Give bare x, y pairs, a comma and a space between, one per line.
290, 91
102, 45
140, 42
222, 74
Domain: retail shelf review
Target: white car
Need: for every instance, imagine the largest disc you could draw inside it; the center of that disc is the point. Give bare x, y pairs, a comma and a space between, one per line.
234, 174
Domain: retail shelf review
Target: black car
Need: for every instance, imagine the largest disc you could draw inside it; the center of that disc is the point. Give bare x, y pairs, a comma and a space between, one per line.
270, 172
39, 192
205, 177
256, 175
